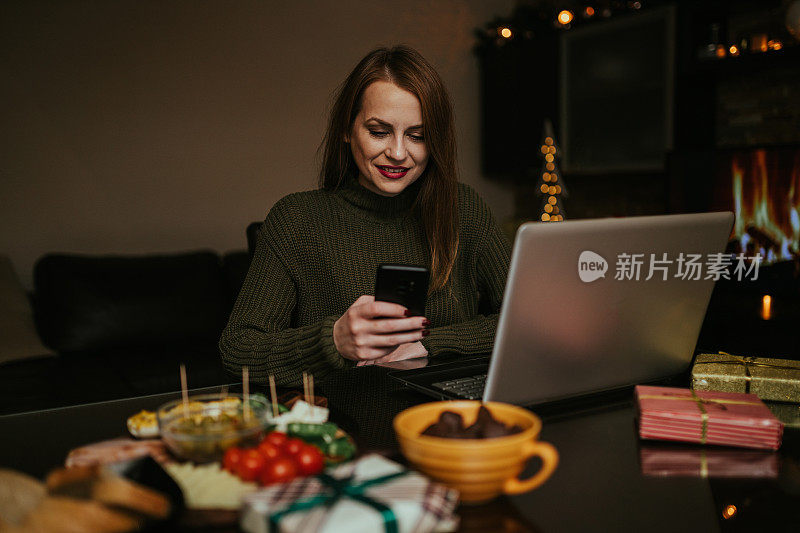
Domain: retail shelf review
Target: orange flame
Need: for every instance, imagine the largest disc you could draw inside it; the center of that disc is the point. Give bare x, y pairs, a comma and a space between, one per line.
767, 219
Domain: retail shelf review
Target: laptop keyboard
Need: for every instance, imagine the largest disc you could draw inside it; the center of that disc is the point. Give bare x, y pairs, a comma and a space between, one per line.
470, 387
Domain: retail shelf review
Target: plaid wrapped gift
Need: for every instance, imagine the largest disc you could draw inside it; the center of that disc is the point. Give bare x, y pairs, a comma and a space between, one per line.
769, 379
370, 494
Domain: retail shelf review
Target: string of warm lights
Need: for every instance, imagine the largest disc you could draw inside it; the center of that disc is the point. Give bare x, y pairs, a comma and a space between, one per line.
758, 43
746, 39
562, 18
526, 21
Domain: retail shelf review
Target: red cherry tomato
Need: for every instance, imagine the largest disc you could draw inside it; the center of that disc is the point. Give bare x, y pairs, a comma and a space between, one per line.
309, 460
251, 465
269, 450
231, 459
277, 438
279, 470
293, 446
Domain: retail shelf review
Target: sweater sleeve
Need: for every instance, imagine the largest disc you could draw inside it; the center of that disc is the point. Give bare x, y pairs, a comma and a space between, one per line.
259, 333
491, 262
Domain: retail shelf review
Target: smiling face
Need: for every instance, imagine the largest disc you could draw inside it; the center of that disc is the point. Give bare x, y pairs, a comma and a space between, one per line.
386, 139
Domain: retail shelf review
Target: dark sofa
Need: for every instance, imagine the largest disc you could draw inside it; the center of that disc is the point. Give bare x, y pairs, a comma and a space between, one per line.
121, 326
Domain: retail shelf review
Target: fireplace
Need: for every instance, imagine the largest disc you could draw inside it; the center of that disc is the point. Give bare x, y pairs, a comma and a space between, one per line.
762, 187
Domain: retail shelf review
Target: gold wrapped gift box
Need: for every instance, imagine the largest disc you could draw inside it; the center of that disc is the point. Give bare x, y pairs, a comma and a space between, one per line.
788, 413
769, 379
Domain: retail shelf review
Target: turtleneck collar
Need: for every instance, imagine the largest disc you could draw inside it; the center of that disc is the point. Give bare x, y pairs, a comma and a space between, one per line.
382, 206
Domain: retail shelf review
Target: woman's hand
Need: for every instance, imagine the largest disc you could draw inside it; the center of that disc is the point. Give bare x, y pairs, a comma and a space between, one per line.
404, 352
371, 330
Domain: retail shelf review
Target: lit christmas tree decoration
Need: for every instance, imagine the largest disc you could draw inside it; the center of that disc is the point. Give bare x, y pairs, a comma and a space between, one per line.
550, 188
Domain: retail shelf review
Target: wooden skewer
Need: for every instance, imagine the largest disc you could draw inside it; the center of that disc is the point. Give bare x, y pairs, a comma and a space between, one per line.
273, 395
305, 387
184, 390
311, 387
246, 387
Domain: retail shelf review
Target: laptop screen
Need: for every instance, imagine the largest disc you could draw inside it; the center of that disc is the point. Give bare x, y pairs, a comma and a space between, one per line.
592, 305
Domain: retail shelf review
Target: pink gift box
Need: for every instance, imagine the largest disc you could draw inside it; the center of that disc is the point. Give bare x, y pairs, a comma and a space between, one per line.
707, 417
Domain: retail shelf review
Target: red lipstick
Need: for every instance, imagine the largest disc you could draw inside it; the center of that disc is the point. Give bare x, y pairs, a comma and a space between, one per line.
392, 172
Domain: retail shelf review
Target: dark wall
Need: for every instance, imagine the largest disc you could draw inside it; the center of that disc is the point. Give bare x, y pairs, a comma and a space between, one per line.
717, 104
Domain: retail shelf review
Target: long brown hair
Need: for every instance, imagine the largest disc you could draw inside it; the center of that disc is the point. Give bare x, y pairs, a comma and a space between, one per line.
437, 200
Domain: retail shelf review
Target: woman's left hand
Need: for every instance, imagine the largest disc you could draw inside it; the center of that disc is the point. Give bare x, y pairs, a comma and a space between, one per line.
410, 350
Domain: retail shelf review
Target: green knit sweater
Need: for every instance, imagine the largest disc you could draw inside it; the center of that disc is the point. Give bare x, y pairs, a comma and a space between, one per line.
318, 251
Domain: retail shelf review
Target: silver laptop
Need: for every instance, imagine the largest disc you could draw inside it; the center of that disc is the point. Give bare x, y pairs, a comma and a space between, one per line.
595, 305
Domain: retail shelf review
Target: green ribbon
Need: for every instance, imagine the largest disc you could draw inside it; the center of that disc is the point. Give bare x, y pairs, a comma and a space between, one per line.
339, 488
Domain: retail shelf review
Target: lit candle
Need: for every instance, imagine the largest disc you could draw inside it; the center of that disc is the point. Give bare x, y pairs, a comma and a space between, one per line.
766, 307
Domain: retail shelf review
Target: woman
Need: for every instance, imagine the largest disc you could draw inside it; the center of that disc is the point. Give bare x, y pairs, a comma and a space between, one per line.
388, 194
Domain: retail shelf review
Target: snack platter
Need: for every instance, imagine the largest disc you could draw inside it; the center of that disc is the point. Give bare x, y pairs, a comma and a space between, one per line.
246, 446
200, 455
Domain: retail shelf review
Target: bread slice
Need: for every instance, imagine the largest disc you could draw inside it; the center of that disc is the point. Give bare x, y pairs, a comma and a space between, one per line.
76, 500
75, 481
68, 515
96, 483
19, 495
120, 492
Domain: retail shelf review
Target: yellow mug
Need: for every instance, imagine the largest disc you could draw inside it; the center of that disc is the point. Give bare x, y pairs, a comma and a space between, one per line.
480, 469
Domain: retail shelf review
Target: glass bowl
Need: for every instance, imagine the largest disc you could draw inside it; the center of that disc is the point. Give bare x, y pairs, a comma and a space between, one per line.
209, 424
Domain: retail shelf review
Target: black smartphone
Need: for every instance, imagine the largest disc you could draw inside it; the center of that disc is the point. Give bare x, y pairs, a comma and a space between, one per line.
406, 285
